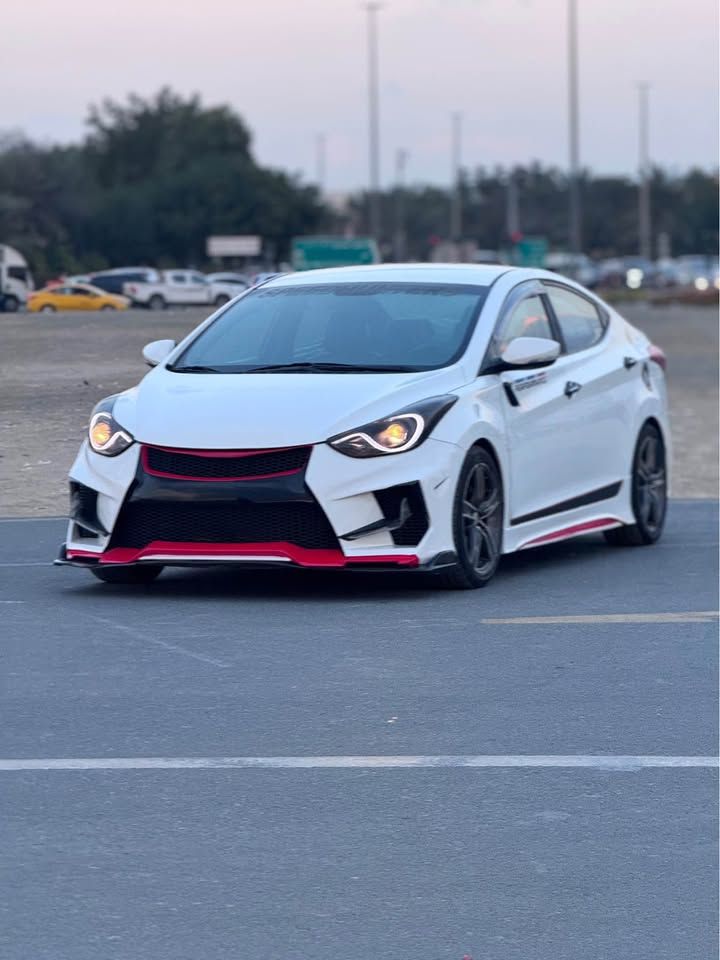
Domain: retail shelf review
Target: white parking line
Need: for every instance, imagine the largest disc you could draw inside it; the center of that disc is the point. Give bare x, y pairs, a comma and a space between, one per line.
699, 616
610, 762
156, 642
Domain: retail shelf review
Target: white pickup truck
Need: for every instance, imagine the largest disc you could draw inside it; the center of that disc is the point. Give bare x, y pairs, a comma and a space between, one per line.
179, 288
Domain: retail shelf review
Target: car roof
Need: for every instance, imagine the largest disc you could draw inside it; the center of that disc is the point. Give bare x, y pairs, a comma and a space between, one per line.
479, 274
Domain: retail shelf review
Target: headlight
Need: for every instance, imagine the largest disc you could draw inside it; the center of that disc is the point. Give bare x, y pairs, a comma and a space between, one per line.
105, 434
396, 434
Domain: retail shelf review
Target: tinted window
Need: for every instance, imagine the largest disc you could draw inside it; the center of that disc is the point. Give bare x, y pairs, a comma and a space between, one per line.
177, 278
197, 278
80, 291
526, 319
390, 325
110, 282
580, 321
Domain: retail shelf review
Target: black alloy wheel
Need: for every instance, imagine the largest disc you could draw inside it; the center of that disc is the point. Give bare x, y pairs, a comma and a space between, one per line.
649, 492
135, 576
477, 522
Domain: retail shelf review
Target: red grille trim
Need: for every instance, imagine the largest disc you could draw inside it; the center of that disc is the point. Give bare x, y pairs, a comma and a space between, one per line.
214, 455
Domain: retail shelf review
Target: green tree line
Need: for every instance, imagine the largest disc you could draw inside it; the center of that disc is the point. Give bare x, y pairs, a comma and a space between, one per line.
154, 177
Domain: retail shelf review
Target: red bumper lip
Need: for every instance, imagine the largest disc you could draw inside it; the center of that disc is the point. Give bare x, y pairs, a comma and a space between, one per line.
167, 552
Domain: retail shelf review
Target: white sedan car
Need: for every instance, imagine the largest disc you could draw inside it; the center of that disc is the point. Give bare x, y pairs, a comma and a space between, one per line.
392, 417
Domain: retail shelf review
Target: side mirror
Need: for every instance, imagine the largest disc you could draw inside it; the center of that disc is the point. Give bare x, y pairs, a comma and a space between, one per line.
155, 352
530, 352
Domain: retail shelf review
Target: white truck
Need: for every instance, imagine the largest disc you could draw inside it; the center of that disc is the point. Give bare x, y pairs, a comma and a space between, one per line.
179, 288
16, 281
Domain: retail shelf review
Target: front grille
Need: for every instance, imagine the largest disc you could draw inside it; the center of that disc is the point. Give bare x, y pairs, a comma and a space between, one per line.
300, 522
239, 465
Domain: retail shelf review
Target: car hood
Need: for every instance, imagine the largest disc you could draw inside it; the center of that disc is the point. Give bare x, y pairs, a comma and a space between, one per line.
256, 411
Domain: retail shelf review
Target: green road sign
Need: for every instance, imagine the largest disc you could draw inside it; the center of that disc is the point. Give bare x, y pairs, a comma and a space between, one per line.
530, 252
311, 253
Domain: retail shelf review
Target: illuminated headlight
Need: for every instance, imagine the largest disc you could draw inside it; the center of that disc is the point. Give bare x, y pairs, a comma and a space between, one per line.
403, 431
634, 278
701, 283
105, 434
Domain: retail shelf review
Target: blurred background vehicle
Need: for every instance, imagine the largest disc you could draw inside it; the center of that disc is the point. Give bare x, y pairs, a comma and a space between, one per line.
179, 288
238, 280
16, 280
75, 296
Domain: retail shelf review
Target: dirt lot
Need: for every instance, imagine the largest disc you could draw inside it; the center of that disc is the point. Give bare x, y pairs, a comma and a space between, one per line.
54, 368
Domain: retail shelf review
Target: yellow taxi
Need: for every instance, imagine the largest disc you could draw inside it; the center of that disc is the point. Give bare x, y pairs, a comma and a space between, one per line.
75, 296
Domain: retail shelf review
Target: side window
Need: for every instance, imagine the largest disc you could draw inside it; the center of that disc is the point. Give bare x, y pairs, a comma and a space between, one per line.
197, 278
527, 319
580, 321
177, 278
80, 291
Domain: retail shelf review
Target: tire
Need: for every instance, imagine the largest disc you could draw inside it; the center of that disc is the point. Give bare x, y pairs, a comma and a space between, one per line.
11, 304
156, 302
649, 492
107, 307
477, 523
47, 308
127, 575
221, 299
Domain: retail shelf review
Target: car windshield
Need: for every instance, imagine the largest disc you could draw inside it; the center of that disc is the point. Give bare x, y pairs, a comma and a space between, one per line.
358, 327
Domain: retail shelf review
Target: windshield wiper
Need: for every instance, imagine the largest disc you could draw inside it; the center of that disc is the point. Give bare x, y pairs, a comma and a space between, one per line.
319, 367
194, 368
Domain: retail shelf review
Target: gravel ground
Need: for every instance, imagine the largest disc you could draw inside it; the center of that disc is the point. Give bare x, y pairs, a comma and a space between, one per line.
53, 369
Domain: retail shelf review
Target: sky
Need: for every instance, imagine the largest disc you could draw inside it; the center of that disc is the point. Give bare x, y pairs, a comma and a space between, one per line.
297, 69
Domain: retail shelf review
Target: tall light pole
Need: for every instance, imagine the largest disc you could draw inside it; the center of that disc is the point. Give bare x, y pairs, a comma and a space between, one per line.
371, 8
644, 223
574, 212
400, 236
320, 161
456, 186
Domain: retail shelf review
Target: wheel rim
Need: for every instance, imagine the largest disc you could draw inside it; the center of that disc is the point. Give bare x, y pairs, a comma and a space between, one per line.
481, 518
650, 482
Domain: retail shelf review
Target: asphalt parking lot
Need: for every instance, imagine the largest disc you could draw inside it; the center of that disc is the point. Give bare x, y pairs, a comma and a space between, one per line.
318, 766
583, 851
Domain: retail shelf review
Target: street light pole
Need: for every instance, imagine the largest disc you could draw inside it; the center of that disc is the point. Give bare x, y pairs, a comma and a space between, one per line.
320, 162
456, 186
644, 224
574, 212
400, 238
371, 8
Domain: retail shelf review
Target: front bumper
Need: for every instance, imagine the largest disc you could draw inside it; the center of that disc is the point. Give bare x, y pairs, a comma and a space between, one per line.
334, 512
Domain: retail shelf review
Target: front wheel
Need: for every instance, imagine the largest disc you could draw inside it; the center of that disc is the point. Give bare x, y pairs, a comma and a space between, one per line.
107, 306
649, 492
47, 308
11, 304
128, 575
477, 523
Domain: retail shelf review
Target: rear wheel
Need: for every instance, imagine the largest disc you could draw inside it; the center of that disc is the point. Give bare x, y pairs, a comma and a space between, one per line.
10, 304
221, 299
128, 575
156, 302
108, 306
649, 492
477, 523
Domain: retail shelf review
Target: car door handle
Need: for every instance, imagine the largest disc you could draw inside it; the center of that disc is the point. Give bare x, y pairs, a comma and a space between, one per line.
629, 362
571, 387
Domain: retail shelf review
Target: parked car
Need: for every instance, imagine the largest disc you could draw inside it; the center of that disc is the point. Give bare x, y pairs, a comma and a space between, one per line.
238, 280
424, 417
179, 288
77, 296
16, 280
112, 281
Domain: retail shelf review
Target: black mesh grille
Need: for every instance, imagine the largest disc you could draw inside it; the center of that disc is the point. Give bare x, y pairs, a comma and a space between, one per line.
197, 465
416, 525
301, 523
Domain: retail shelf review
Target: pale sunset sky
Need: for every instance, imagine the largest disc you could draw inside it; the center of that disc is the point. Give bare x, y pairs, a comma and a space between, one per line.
297, 68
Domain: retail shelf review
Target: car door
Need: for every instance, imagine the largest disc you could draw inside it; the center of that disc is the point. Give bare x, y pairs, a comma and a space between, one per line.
601, 380
543, 421
82, 299
62, 298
